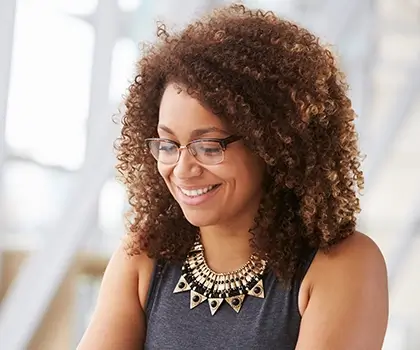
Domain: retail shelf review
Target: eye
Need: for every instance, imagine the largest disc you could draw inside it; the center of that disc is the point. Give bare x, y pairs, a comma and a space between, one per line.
167, 147
210, 151
209, 148
162, 147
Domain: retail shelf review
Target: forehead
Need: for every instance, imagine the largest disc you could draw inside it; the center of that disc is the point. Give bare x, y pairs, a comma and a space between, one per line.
181, 112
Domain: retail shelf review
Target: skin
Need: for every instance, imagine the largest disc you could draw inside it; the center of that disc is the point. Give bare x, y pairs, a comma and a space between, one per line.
224, 219
340, 310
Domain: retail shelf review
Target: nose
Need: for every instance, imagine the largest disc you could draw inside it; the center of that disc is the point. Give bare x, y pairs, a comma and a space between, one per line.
187, 166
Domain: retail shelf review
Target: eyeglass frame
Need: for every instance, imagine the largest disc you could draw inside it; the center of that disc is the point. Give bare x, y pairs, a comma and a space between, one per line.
222, 142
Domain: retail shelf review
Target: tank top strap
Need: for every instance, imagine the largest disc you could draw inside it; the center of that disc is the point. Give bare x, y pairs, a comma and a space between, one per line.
308, 256
154, 284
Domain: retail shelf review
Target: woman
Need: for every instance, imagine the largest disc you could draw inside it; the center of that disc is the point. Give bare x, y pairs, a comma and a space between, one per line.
240, 156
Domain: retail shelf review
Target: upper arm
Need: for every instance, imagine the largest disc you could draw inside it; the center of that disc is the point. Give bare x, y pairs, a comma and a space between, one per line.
118, 320
348, 304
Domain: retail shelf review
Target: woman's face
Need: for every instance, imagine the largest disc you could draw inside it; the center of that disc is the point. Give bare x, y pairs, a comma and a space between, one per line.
234, 185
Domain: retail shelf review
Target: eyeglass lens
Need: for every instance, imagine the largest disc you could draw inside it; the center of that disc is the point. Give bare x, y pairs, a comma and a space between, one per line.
206, 152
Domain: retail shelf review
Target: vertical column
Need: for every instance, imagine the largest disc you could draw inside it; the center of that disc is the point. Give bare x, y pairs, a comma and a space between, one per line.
366, 72
397, 116
7, 20
106, 23
52, 261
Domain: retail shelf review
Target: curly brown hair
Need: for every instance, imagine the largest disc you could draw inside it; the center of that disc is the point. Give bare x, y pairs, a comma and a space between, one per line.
278, 88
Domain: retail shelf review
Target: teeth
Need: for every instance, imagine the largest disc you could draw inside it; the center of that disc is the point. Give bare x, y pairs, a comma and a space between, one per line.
198, 192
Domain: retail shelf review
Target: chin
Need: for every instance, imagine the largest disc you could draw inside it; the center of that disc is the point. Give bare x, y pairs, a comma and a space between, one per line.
200, 219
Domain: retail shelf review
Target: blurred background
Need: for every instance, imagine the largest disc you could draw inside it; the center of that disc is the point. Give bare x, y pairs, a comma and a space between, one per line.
64, 66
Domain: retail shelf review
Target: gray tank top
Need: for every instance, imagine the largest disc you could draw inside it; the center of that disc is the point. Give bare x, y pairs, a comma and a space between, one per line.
269, 323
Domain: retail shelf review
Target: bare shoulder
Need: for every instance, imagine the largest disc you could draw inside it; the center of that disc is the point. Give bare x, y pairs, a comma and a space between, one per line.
118, 321
347, 285
356, 261
357, 255
144, 267
354, 251
139, 265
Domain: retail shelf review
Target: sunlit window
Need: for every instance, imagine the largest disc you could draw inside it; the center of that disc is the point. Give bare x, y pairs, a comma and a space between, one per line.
32, 197
123, 67
129, 5
112, 202
49, 87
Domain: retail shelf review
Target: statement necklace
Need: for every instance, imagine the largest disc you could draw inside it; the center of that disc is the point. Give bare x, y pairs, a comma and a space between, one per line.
206, 285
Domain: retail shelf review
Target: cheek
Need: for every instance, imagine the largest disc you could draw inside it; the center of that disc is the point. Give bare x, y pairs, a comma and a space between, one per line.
244, 177
248, 176
248, 179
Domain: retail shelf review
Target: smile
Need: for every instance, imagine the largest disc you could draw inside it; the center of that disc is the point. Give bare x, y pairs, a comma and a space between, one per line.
198, 192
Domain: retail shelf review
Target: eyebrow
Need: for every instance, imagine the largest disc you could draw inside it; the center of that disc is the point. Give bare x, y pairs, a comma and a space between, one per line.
195, 133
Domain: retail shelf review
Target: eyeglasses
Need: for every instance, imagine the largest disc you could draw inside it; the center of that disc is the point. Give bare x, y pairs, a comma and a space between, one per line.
207, 151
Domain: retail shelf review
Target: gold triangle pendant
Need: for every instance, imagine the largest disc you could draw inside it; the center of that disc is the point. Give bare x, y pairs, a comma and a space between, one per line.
182, 285
214, 304
236, 302
196, 299
206, 285
257, 290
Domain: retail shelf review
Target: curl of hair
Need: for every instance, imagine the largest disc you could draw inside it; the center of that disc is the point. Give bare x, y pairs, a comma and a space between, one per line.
278, 88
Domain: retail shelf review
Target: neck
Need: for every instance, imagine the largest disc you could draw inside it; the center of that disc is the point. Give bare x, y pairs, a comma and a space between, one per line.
226, 248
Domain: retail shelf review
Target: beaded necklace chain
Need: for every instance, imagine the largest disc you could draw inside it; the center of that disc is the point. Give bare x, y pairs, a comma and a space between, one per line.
206, 285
